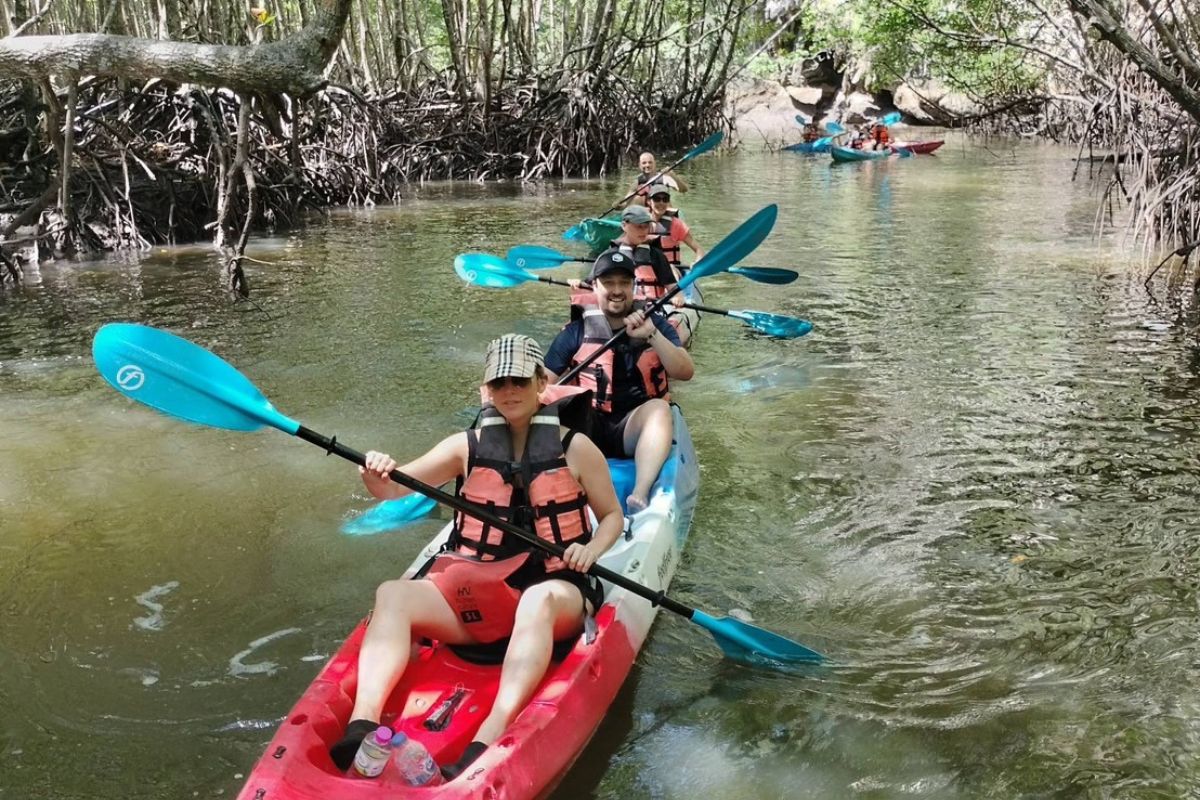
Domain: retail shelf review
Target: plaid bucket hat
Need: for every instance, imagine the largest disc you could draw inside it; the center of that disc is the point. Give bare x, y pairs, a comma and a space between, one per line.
512, 355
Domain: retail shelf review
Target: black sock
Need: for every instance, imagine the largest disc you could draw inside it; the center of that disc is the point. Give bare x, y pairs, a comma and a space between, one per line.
474, 750
346, 748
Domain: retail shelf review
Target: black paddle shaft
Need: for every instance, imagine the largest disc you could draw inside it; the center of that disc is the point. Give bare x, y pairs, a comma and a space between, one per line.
333, 447
650, 182
707, 309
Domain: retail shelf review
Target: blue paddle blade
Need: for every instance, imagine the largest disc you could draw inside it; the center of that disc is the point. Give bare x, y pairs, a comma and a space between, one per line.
573, 233
818, 146
891, 119
708, 144
772, 275
182, 379
777, 325
801, 119
734, 247
753, 645
489, 271
834, 128
389, 515
532, 256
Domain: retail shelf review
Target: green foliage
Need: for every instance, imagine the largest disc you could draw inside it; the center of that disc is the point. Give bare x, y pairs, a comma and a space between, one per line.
961, 43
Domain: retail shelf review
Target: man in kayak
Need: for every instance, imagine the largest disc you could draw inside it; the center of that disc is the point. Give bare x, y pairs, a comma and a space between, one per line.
669, 227
638, 240
647, 169
629, 381
487, 585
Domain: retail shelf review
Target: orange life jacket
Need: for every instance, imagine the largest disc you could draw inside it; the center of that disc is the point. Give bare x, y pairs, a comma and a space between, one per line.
600, 377
652, 275
662, 229
880, 134
537, 492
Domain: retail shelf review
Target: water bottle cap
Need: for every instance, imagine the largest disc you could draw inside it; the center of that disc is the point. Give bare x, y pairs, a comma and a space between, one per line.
383, 734
399, 739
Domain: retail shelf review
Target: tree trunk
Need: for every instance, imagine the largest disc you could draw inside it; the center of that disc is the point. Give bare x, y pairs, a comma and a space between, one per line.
294, 65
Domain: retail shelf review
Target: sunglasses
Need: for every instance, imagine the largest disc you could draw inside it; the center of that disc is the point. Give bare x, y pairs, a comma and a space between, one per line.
496, 384
660, 198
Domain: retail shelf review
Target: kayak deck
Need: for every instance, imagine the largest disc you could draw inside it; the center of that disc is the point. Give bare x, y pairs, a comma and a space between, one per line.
596, 233
549, 734
848, 154
919, 148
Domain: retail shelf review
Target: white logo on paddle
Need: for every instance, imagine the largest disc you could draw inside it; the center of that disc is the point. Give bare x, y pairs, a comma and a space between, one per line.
130, 377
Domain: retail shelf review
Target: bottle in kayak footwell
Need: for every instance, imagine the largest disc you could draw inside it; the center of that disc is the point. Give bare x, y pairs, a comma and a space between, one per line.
414, 763
373, 754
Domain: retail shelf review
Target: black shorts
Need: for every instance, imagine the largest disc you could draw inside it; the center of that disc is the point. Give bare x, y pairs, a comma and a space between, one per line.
608, 433
534, 572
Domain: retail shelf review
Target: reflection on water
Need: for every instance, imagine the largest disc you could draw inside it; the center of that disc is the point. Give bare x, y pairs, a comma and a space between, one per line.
972, 485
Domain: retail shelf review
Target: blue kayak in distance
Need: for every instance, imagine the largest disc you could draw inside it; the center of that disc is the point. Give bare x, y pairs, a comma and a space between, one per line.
847, 154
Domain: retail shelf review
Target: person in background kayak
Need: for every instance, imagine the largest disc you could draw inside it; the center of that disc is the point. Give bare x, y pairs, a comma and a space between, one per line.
512, 590
638, 241
647, 169
669, 227
630, 382
880, 138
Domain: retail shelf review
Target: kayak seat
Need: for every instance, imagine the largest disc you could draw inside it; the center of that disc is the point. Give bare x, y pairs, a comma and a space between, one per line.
492, 654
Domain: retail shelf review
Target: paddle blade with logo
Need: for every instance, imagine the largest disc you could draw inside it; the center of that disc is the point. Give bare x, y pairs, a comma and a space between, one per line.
532, 256
177, 377
493, 272
489, 271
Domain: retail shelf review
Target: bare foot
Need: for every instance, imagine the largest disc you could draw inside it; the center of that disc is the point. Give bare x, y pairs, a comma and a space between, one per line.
635, 503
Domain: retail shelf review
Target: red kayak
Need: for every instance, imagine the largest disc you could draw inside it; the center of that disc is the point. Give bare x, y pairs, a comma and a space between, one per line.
922, 148
546, 738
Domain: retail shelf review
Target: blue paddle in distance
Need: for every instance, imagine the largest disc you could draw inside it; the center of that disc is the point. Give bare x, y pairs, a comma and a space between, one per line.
533, 256
491, 272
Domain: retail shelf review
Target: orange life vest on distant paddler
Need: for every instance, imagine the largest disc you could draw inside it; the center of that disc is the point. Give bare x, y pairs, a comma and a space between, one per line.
652, 270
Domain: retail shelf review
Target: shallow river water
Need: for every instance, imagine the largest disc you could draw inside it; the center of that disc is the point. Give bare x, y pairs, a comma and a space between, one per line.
973, 486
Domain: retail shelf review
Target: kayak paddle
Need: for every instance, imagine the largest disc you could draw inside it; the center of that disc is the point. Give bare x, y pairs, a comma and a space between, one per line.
777, 325
182, 379
708, 144
532, 256
725, 253
491, 272
388, 515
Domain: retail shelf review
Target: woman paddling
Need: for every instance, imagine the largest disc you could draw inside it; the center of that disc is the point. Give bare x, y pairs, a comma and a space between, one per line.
486, 586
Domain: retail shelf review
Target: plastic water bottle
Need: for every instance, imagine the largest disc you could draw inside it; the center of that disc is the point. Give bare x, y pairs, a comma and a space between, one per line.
414, 763
373, 753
